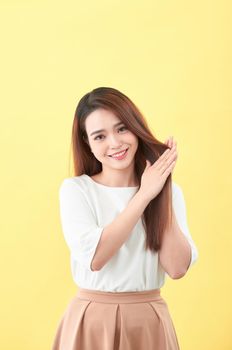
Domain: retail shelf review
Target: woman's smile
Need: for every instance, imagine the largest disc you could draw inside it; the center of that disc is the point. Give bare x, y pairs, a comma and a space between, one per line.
120, 155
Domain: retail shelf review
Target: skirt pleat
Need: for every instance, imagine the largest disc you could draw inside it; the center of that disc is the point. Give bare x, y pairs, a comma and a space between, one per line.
98, 320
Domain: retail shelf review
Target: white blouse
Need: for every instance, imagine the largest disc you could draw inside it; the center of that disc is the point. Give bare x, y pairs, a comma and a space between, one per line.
86, 207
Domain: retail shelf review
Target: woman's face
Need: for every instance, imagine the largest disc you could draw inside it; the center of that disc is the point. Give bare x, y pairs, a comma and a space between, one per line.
113, 138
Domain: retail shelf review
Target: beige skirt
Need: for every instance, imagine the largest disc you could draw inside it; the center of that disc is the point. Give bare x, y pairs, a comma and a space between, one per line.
98, 320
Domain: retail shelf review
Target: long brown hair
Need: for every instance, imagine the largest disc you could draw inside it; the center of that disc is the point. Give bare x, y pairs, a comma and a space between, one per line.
158, 214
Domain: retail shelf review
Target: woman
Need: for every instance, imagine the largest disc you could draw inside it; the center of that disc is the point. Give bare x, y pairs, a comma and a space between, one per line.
125, 224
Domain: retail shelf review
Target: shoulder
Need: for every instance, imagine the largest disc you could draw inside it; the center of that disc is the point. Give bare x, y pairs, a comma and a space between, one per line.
73, 184
178, 198
176, 189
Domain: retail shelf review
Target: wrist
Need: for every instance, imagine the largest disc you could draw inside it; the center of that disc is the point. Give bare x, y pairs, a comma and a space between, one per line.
143, 197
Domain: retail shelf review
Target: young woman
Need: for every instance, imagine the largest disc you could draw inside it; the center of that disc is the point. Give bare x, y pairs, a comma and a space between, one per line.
124, 221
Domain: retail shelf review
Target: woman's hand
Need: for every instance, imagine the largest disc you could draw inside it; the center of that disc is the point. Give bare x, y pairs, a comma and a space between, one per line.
169, 142
155, 175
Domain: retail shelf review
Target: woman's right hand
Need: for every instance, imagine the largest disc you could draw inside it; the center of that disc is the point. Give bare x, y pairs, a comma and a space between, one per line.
155, 175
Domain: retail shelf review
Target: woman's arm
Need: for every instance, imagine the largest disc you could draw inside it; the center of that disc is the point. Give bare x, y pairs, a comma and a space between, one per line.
178, 250
117, 232
175, 252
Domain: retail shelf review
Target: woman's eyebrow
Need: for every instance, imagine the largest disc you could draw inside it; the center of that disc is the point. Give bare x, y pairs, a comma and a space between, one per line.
97, 131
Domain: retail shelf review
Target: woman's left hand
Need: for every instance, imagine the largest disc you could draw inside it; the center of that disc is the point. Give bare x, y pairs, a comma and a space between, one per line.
171, 143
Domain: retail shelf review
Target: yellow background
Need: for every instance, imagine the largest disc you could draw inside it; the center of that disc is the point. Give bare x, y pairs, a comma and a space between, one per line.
173, 59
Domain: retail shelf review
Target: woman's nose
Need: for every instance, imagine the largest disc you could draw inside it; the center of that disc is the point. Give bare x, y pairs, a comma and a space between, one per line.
114, 141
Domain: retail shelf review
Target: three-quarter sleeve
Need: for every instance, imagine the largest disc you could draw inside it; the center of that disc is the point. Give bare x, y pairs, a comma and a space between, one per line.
181, 217
80, 229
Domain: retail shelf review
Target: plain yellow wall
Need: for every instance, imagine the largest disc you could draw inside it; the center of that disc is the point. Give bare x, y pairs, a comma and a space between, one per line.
173, 59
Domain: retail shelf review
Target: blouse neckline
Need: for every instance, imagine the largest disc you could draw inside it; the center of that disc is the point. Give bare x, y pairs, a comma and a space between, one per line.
112, 187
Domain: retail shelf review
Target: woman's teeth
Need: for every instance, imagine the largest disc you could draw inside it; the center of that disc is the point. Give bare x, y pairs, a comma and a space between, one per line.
120, 155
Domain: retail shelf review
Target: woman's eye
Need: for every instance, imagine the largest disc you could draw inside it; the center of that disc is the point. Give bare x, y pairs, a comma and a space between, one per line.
123, 127
97, 137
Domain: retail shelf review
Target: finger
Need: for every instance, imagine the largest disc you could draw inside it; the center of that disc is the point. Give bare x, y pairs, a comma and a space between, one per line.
167, 162
163, 155
161, 162
171, 141
173, 146
158, 163
169, 169
166, 154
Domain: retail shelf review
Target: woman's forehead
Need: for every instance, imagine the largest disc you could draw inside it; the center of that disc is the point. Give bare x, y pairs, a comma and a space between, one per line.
99, 119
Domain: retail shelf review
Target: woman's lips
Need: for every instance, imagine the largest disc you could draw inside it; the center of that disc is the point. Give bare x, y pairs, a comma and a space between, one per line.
118, 153
122, 156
